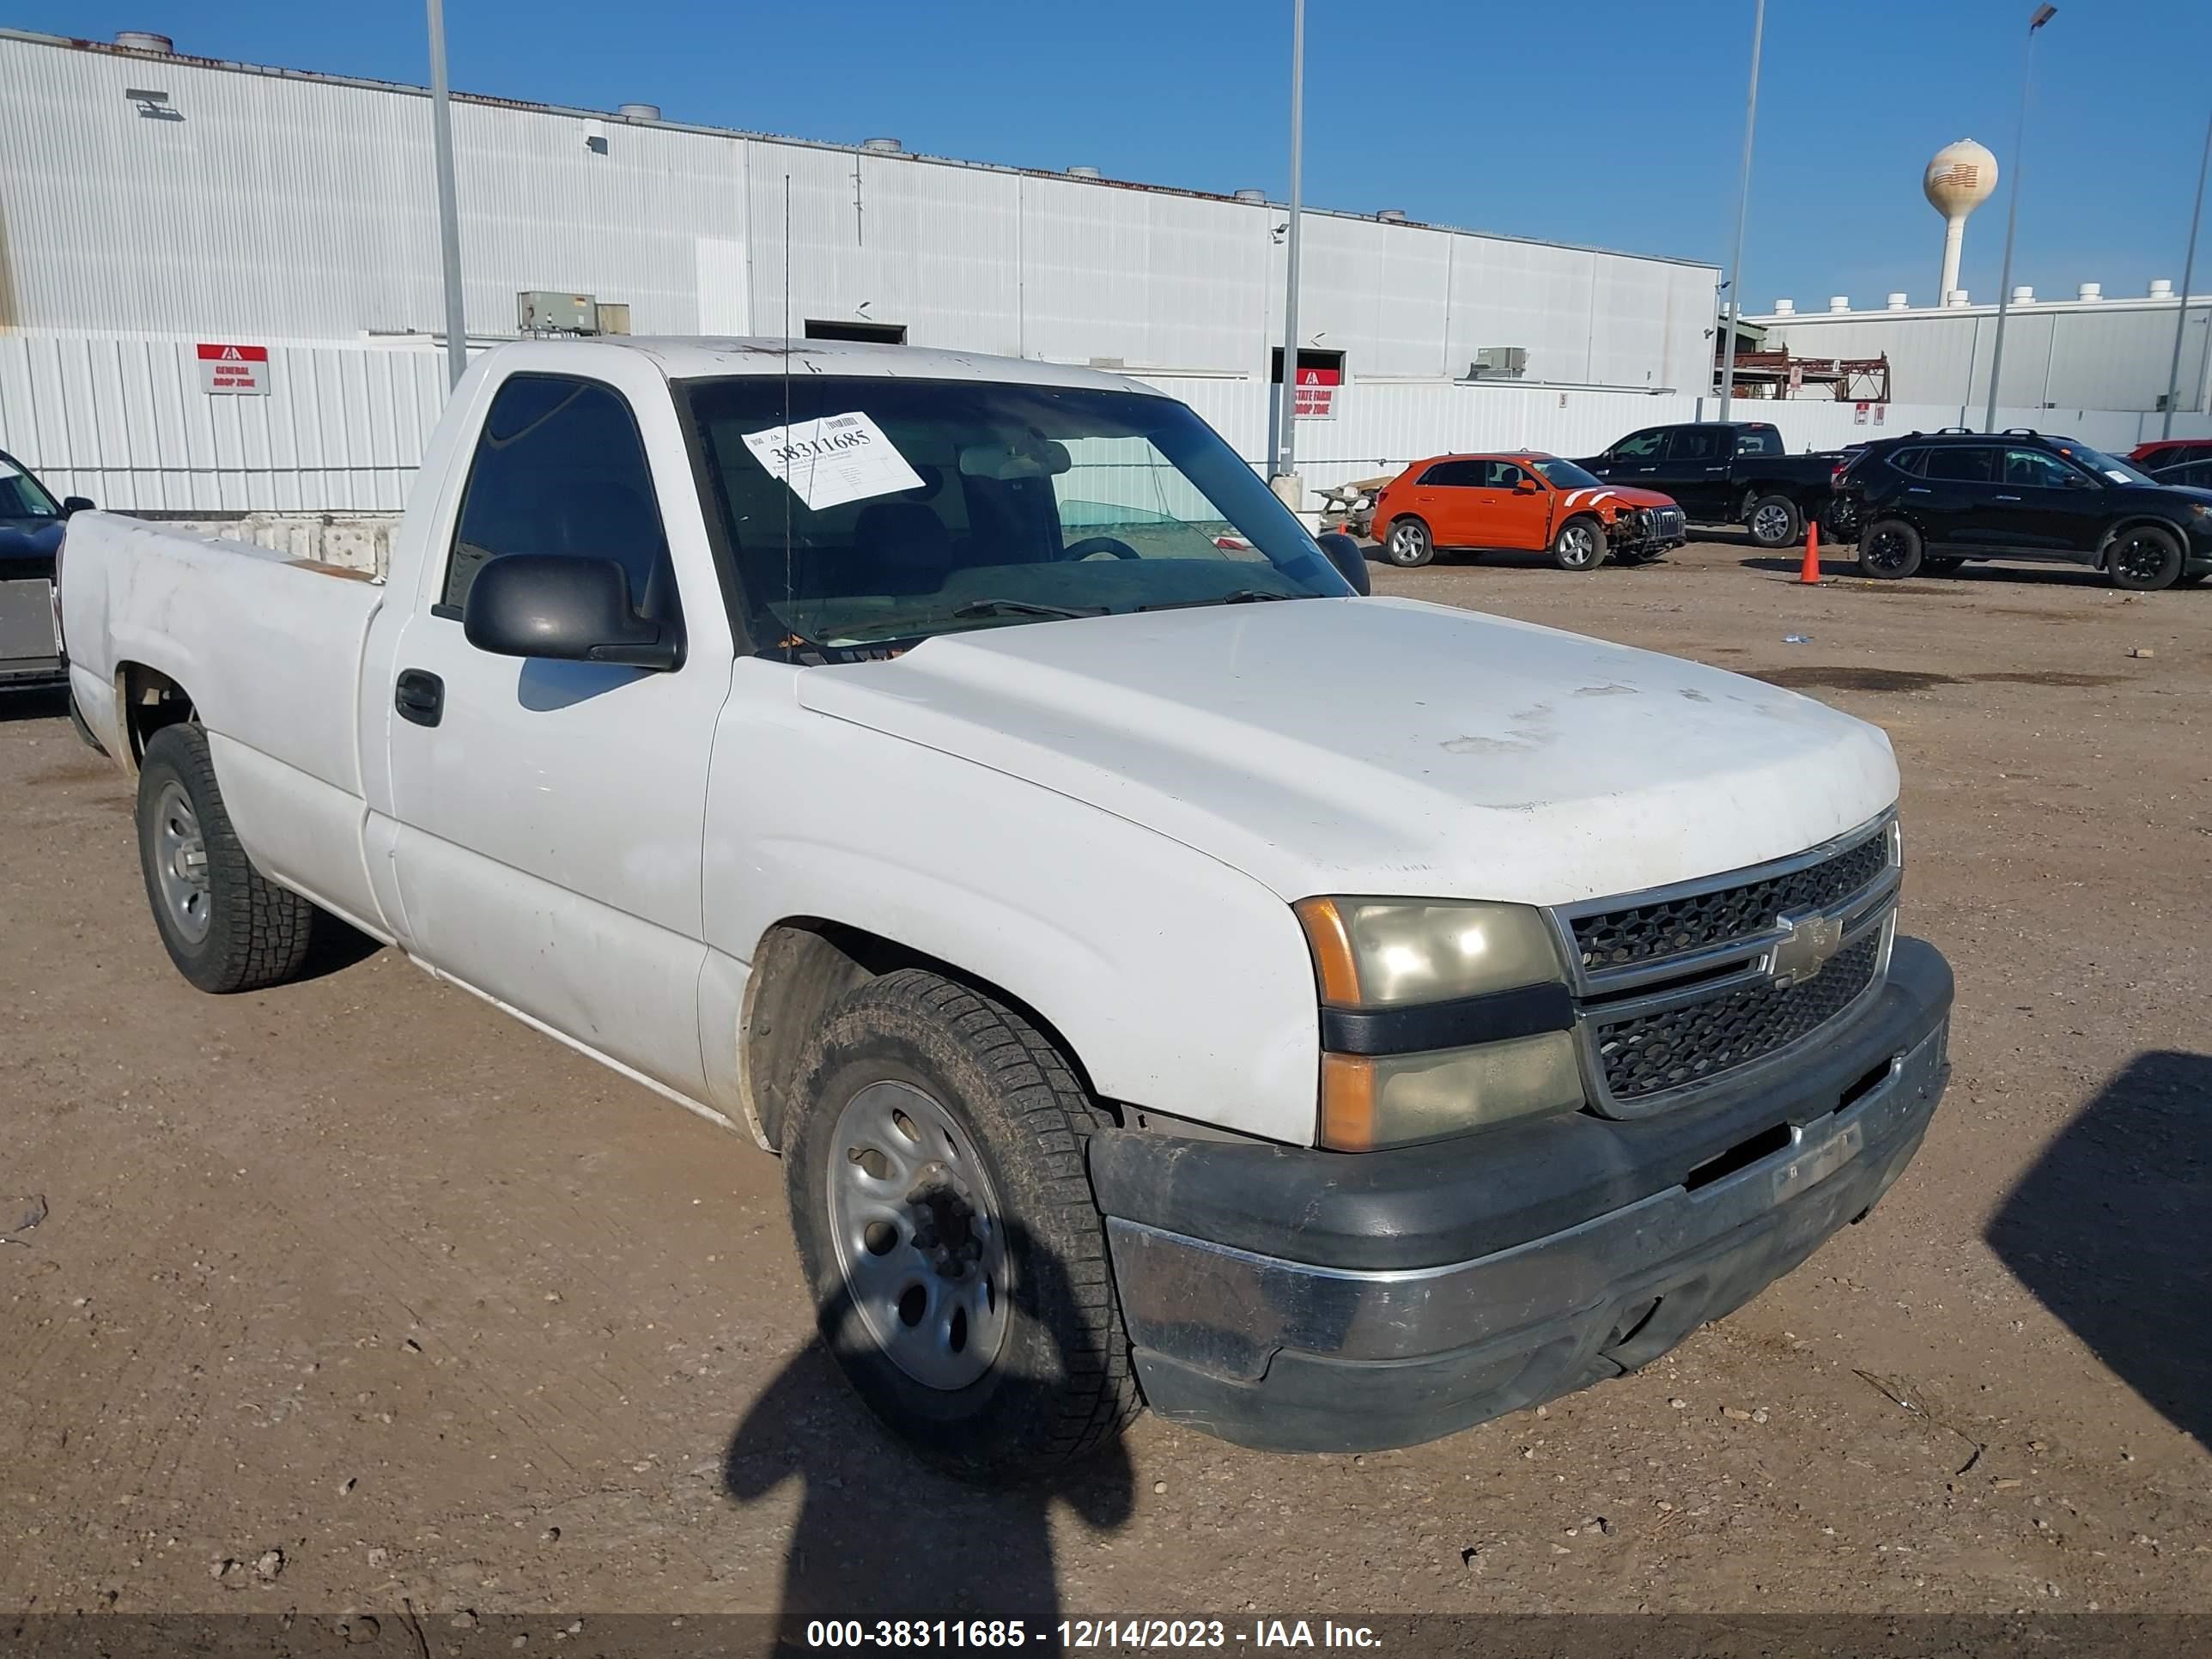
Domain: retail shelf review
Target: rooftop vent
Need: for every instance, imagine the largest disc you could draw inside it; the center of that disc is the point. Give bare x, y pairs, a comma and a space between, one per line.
1259, 195
1085, 173
638, 112
2023, 295
882, 146
1839, 302
146, 40
1957, 297
1392, 216
2161, 287
2090, 291
1785, 307
1900, 302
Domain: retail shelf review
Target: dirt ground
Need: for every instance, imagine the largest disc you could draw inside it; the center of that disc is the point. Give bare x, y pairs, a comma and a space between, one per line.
356, 1294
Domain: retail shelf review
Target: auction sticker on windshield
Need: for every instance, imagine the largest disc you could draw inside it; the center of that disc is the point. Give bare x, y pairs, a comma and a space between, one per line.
835, 460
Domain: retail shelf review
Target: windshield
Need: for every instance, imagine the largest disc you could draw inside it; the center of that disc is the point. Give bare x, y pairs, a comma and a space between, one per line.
917, 508
2104, 466
21, 497
1565, 475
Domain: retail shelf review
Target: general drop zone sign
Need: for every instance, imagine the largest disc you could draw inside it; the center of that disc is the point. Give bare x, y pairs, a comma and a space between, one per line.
237, 369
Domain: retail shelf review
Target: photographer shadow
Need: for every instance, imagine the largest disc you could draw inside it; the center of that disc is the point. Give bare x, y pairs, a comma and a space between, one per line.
2112, 1229
882, 1534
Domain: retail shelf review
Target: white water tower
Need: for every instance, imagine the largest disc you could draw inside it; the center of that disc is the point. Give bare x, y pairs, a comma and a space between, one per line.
1961, 177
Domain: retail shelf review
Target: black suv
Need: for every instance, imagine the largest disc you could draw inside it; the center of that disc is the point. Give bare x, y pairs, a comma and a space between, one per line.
1930, 501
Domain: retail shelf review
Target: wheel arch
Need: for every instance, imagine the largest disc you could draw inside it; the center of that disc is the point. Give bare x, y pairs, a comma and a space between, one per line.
803, 966
2139, 521
146, 700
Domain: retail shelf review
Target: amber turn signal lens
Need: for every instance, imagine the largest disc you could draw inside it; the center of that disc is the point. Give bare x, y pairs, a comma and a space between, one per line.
1331, 942
1347, 1102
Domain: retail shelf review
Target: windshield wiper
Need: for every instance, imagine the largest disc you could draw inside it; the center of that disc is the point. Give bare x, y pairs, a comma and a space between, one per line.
1024, 608
1239, 596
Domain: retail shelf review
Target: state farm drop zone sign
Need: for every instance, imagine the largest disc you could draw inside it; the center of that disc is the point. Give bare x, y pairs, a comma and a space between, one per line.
238, 370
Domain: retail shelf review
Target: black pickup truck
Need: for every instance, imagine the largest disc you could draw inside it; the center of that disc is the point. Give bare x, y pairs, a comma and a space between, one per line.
1731, 472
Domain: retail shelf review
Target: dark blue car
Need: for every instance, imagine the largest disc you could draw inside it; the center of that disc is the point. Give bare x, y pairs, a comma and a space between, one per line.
30, 522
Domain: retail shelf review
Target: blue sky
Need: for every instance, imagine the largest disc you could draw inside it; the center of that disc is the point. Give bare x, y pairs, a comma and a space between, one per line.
1613, 123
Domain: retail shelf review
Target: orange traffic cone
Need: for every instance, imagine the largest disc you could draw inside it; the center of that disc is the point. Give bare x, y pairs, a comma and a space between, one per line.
1810, 575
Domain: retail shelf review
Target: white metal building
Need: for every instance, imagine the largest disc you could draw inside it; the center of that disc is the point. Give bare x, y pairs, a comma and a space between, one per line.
147, 192
2089, 351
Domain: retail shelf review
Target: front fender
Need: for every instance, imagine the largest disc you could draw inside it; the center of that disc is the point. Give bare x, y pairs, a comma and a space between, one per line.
1183, 985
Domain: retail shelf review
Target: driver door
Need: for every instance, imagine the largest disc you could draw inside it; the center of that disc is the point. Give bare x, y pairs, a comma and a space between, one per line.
549, 814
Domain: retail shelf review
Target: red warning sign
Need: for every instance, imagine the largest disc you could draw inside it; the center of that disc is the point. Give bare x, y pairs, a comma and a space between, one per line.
1316, 396
235, 369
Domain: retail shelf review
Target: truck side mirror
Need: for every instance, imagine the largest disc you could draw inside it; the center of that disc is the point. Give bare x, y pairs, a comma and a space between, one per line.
1349, 558
72, 504
542, 604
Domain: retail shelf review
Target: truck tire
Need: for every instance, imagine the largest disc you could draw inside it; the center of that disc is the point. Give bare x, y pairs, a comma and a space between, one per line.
2144, 558
1776, 521
225, 925
1890, 548
1408, 545
1580, 544
935, 1168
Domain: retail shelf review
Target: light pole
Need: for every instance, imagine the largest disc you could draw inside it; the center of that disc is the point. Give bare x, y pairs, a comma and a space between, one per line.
1286, 417
2043, 14
449, 222
2188, 271
1743, 210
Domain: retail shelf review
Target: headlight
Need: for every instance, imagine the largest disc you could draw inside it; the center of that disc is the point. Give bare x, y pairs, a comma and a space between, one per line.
1459, 1011
2199, 512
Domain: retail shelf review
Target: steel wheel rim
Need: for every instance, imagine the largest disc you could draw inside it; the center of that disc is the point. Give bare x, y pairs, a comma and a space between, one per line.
2141, 557
1405, 543
1576, 546
1771, 524
181, 862
914, 1221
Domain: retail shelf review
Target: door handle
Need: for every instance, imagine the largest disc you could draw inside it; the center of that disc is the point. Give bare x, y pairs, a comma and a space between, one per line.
1715, 469
420, 697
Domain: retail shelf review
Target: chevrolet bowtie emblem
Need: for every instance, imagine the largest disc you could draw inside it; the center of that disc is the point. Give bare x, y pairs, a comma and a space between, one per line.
1805, 949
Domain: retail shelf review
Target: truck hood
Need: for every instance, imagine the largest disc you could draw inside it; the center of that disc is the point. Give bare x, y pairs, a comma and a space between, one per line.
1386, 746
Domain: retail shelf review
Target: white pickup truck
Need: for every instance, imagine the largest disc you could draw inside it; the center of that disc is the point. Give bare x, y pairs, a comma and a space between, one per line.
1163, 971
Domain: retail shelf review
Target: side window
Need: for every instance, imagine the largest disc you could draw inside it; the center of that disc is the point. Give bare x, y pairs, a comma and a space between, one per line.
1461, 475
2198, 476
560, 469
2034, 470
1962, 464
1914, 461
1699, 443
1758, 440
1644, 445
1501, 474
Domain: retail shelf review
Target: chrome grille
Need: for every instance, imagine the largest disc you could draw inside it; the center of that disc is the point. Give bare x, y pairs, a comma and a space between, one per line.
1649, 1054
1696, 921
1681, 986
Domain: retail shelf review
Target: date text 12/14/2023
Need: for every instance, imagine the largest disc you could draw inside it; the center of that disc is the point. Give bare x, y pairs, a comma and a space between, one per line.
1082, 1634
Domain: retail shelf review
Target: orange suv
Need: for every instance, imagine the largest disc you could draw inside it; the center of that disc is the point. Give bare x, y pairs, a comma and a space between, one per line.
1526, 502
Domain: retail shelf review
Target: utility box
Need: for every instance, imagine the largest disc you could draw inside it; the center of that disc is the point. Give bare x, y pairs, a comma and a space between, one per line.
613, 316
1498, 363
543, 311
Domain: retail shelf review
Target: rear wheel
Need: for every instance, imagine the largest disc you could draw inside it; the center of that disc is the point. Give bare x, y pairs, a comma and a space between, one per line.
1890, 548
2145, 557
227, 926
1408, 545
935, 1173
1776, 521
1580, 545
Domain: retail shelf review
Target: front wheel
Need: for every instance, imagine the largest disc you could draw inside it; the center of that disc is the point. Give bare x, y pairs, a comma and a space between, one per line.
934, 1170
1890, 549
1776, 521
1580, 545
2145, 558
1409, 545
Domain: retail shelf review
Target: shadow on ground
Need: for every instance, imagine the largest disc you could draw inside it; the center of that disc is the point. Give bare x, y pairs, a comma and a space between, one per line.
882, 1535
49, 704
1844, 561
2112, 1229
